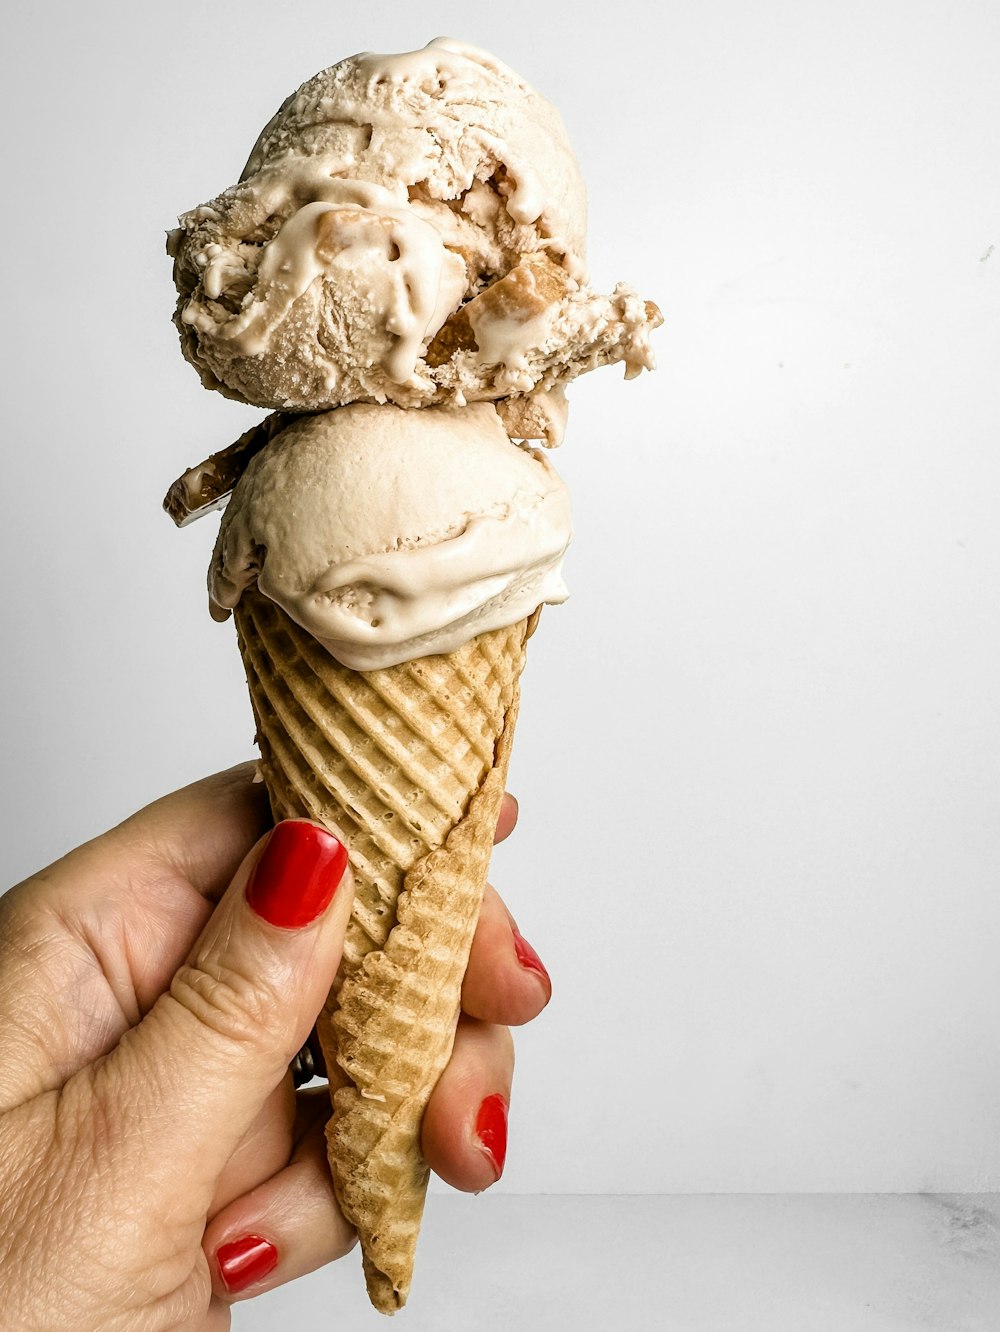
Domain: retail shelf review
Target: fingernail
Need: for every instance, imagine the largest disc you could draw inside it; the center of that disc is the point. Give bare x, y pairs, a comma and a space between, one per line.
246, 1261
529, 959
296, 877
491, 1130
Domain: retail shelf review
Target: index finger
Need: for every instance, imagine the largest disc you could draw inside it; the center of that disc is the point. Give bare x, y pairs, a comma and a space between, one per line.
201, 832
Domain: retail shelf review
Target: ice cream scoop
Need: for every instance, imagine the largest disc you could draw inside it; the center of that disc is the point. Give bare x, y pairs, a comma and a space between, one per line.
382, 205
391, 534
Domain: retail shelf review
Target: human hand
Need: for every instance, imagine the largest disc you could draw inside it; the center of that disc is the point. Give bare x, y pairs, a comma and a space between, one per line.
156, 1162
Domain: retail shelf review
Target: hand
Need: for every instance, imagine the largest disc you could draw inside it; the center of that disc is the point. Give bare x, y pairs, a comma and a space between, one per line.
155, 1160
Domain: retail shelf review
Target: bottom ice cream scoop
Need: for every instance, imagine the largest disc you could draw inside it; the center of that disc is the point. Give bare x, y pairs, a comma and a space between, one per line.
390, 534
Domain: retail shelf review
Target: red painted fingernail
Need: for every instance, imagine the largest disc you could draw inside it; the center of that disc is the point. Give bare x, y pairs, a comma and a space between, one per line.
528, 958
296, 877
491, 1130
246, 1261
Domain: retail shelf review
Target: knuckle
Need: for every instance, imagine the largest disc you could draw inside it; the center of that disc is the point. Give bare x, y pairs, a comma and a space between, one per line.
225, 999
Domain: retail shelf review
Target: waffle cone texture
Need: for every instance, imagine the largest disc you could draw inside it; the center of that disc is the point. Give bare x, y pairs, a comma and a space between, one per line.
410, 763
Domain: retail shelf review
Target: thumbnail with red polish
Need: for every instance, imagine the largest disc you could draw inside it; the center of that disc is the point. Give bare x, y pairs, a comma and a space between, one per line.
297, 875
491, 1130
246, 1261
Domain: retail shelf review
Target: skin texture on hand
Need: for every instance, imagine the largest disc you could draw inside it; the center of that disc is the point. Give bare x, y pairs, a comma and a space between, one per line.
156, 1162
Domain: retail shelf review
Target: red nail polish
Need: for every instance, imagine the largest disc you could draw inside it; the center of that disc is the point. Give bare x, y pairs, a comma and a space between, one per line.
528, 958
491, 1130
245, 1261
297, 875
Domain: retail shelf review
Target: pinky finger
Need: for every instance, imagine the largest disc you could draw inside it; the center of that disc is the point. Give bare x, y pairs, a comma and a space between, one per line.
284, 1228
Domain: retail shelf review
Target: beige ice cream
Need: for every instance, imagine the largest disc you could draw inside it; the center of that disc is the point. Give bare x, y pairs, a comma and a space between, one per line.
409, 228
391, 534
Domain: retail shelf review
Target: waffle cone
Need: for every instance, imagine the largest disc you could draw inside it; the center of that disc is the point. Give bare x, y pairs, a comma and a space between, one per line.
410, 763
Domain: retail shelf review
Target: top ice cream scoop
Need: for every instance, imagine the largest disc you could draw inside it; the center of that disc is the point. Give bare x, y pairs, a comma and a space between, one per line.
409, 228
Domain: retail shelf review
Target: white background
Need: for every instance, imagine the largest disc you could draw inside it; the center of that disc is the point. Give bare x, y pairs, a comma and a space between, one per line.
758, 754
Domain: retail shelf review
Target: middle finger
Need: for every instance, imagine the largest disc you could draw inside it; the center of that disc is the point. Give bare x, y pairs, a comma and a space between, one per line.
505, 981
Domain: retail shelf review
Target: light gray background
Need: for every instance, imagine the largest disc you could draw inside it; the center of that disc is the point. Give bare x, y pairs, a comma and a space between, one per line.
758, 754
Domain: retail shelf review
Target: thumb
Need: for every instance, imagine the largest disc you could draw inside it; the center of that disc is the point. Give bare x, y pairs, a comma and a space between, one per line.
187, 1083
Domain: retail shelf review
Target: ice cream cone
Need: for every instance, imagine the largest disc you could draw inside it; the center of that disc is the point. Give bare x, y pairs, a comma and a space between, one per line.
410, 763
412, 304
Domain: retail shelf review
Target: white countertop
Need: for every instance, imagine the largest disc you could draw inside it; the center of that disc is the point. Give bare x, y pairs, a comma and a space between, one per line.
696, 1263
